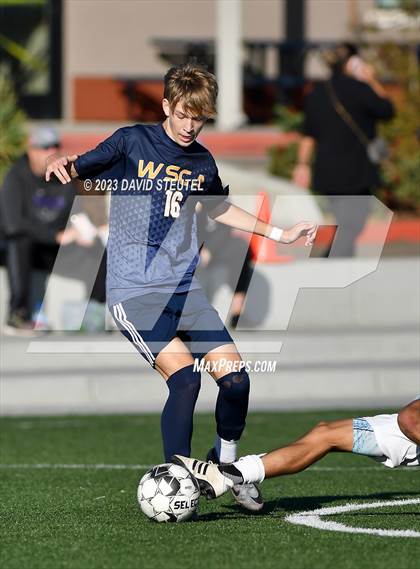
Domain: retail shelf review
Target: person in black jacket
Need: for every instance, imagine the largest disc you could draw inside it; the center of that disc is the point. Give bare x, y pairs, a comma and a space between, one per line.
339, 141
34, 215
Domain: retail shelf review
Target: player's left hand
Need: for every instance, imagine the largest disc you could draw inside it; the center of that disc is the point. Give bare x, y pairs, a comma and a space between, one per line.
302, 229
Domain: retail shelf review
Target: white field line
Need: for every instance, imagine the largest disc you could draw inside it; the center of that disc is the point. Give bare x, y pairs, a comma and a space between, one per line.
103, 466
62, 423
312, 518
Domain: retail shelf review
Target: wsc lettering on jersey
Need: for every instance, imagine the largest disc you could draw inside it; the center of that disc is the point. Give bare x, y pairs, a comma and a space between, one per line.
173, 184
175, 179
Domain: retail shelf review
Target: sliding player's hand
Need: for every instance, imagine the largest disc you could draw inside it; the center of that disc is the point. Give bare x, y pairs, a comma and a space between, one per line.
303, 229
60, 166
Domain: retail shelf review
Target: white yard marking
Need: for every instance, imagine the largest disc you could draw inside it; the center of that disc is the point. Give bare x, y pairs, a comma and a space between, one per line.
312, 518
60, 424
64, 423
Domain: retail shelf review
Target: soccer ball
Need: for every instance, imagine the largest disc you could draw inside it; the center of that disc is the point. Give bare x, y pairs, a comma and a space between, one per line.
168, 493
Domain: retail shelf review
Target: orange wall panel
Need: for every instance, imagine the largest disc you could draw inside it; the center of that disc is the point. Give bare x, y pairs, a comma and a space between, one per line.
106, 98
98, 99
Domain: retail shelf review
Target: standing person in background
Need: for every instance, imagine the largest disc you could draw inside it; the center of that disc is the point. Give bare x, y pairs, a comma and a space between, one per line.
341, 115
34, 215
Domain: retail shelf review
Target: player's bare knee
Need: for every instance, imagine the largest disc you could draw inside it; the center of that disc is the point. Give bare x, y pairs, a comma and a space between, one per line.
321, 430
327, 432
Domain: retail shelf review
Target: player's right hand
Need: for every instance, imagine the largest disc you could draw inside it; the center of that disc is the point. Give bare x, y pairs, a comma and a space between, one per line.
58, 165
302, 229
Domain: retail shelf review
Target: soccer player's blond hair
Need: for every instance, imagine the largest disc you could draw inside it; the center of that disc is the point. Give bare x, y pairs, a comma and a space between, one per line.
193, 86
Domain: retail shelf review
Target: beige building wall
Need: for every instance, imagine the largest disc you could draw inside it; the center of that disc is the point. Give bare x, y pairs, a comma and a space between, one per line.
331, 19
114, 37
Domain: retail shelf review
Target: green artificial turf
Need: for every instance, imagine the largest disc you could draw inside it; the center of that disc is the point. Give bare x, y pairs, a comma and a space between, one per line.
87, 517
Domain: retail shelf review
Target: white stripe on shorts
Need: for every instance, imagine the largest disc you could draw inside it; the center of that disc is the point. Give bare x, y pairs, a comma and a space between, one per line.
138, 341
135, 336
136, 332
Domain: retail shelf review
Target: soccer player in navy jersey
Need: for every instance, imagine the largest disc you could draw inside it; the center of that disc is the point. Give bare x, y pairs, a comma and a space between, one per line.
157, 174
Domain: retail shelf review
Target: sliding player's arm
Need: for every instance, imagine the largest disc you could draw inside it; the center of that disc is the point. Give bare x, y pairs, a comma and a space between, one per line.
238, 218
319, 441
91, 163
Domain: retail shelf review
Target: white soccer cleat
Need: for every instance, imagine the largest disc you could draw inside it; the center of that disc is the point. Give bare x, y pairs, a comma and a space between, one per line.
248, 496
212, 482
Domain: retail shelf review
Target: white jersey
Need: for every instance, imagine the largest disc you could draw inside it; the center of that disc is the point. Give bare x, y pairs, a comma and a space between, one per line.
397, 449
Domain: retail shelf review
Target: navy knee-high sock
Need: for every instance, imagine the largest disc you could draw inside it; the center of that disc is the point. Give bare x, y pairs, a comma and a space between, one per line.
232, 405
177, 415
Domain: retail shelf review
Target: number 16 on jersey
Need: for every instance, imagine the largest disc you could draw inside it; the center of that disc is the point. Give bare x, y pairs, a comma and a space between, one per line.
172, 205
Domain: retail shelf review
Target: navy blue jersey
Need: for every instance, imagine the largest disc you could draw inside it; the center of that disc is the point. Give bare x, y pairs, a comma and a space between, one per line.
155, 186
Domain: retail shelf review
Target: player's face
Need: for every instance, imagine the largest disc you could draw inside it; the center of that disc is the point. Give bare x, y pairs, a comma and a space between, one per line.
180, 125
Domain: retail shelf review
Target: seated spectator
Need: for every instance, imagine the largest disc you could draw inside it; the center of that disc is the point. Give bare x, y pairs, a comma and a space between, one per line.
33, 219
